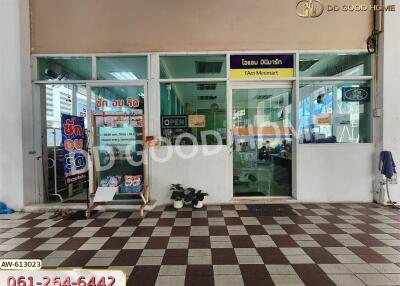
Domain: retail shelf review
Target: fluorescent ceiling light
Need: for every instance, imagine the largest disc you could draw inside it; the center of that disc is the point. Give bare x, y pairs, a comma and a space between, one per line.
124, 75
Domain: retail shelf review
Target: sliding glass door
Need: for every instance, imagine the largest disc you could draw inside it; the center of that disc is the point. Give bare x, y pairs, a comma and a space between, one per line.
262, 140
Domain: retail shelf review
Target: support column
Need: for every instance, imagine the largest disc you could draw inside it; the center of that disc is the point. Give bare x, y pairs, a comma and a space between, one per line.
387, 128
16, 129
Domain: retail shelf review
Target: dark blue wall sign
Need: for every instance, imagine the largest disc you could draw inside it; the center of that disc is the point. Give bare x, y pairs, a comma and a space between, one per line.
73, 140
262, 61
174, 121
356, 93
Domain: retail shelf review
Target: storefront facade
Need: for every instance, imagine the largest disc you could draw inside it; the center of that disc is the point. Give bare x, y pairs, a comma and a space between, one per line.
289, 114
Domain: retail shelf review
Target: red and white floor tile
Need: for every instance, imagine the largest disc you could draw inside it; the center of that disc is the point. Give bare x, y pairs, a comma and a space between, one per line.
322, 244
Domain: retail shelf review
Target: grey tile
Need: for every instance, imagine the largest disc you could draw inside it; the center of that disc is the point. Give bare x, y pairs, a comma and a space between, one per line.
199, 260
280, 269
60, 253
299, 259
394, 258
395, 278
334, 268
245, 251
375, 279
170, 280
14, 254
150, 260
134, 245
172, 270
231, 280
221, 244
46, 246
178, 245
100, 261
386, 268
280, 280
53, 262
91, 246
351, 258
338, 250
103, 253
199, 252
361, 268
249, 259
153, 252
292, 251
345, 280
307, 243
226, 269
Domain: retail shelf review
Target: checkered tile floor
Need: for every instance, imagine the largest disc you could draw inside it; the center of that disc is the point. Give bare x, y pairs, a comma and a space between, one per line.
325, 244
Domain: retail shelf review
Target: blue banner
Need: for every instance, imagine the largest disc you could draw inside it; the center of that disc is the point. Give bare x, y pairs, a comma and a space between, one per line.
73, 142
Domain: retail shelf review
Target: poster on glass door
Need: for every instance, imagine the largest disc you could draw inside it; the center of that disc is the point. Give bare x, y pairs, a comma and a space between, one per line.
74, 154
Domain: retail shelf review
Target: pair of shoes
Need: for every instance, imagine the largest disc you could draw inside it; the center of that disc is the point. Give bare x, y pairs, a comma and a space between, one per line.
55, 214
60, 214
64, 214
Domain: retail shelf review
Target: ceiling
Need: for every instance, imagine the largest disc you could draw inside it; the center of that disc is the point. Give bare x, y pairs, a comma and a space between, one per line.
274, 97
189, 93
333, 64
80, 68
186, 66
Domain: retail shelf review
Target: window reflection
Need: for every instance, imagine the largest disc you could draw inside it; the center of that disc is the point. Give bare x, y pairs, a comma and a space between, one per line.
199, 107
335, 112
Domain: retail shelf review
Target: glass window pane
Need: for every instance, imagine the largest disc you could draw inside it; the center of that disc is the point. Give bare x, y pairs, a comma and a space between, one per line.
335, 112
208, 66
117, 98
64, 68
64, 99
203, 106
335, 65
61, 99
262, 141
122, 68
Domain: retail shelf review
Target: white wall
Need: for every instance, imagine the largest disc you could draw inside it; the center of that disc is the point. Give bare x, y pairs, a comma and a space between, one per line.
212, 174
335, 173
17, 166
325, 173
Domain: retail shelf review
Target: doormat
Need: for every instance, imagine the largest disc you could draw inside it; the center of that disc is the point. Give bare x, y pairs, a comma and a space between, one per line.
75, 201
80, 215
271, 210
249, 194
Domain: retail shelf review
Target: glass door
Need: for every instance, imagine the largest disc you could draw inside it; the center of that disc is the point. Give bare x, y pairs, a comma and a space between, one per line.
118, 129
262, 140
58, 99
